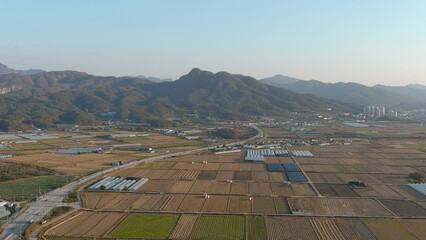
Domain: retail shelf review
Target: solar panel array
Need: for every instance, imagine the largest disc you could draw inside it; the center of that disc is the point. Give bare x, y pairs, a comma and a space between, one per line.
274, 167
291, 167
296, 177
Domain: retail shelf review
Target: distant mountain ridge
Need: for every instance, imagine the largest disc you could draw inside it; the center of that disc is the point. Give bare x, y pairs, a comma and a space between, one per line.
6, 70
410, 95
74, 97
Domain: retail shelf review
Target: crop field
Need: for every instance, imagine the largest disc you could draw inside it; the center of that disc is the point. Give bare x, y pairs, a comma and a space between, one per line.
338, 206
259, 176
220, 187
188, 175
404, 208
302, 189
192, 203
219, 227
337, 190
256, 228
279, 227
168, 203
242, 175
281, 205
260, 188
216, 203
207, 175
415, 226
201, 186
184, 227
386, 191
326, 229
72, 164
390, 229
181, 186
263, 205
63, 227
239, 188
354, 228
239, 204
156, 186
157, 226
212, 166
225, 175
281, 189
27, 187
277, 176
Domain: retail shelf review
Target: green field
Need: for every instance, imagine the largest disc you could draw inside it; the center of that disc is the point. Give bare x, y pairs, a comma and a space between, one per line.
146, 226
219, 227
28, 187
256, 228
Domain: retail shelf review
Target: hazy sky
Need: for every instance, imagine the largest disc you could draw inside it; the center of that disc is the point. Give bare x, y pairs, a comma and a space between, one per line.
368, 42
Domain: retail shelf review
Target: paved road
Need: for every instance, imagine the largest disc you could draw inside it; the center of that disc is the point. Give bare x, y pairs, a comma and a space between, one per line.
54, 198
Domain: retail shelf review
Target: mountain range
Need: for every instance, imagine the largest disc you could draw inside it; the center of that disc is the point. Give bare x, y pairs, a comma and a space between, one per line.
46, 98
5, 70
412, 96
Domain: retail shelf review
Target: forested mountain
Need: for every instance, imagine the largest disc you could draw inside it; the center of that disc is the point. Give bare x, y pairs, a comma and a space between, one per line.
74, 97
6, 70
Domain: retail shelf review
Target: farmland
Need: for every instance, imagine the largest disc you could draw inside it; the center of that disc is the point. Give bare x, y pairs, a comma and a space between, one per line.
219, 227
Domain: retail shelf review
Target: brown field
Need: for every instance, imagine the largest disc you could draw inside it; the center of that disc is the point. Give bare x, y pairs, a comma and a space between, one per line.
220, 187
257, 167
408, 192
404, 208
140, 202
184, 227
386, 191
181, 186
354, 228
212, 166
259, 176
156, 186
338, 206
63, 227
155, 174
260, 188
201, 186
244, 167
216, 204
390, 229
277, 176
207, 175
415, 226
263, 205
120, 202
282, 189
239, 204
242, 175
72, 164
366, 192
326, 229
168, 203
98, 226
229, 167
133, 172
271, 160
319, 168
225, 175
302, 189
239, 188
192, 203
338, 190
279, 227
281, 205
151, 202
97, 200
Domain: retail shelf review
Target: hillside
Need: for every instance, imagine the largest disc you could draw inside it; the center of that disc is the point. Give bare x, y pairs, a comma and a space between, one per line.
6, 70
353, 92
74, 97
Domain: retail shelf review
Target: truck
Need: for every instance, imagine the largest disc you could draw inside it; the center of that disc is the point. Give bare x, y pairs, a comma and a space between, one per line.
31, 220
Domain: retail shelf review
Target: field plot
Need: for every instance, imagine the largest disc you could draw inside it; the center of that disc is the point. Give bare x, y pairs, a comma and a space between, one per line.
276, 176
415, 226
239, 204
168, 203
184, 227
220, 187
216, 204
338, 206
260, 188
256, 228
338, 190
201, 186
156, 186
386, 191
212, 166
242, 175
281, 205
289, 228
29, 186
146, 202
72, 164
207, 175
326, 228
225, 175
157, 226
366, 192
229, 167
302, 189
354, 228
281, 189
263, 205
239, 188
408, 192
219, 227
189, 175
62, 228
390, 229
192, 203
257, 167
404, 208
259, 176
181, 186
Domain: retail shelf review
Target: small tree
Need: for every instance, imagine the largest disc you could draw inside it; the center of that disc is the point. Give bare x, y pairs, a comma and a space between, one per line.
416, 177
103, 187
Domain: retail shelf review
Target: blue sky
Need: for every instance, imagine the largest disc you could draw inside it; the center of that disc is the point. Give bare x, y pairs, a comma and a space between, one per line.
368, 42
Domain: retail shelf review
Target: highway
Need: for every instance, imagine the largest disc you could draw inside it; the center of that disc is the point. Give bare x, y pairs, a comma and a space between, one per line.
53, 199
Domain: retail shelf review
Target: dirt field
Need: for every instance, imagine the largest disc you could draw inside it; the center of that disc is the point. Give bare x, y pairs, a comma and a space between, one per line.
259, 188
239, 204
415, 226
192, 203
239, 188
181, 187
201, 186
168, 203
277, 176
281, 205
184, 227
386, 191
404, 208
220, 187
282, 189
302, 189
289, 228
225, 175
156, 186
354, 228
215, 203
338, 206
207, 175
388, 229
260, 176
242, 175
263, 205
326, 229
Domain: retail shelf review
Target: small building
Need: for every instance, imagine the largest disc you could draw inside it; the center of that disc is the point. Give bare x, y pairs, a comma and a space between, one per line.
76, 151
